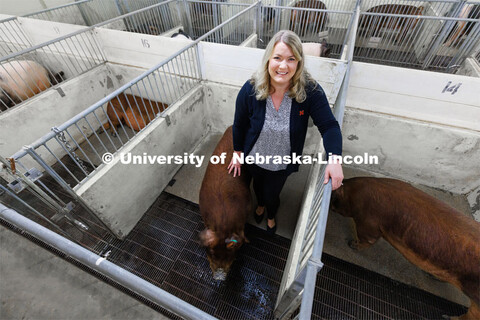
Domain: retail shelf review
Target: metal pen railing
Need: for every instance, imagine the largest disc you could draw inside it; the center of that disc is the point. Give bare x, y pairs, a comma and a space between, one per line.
202, 16
85, 12
12, 37
63, 58
311, 25
72, 153
304, 261
35, 69
77, 143
433, 7
131, 108
91, 12
420, 42
155, 19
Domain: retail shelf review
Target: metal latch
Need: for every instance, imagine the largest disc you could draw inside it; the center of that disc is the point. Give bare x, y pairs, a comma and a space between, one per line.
33, 175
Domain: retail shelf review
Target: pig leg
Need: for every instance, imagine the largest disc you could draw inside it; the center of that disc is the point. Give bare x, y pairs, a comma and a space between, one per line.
367, 234
472, 313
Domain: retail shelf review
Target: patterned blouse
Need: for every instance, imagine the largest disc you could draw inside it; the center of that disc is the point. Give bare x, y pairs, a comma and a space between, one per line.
274, 139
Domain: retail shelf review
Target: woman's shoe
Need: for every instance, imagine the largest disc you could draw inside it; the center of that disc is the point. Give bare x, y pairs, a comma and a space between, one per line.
271, 231
259, 217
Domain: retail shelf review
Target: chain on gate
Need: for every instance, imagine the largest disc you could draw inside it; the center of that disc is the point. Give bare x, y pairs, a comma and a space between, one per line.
61, 136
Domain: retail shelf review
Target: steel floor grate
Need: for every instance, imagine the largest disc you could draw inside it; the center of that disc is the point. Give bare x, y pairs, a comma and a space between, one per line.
164, 249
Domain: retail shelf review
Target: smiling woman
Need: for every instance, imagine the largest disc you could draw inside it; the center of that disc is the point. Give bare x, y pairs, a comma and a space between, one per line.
281, 68
271, 119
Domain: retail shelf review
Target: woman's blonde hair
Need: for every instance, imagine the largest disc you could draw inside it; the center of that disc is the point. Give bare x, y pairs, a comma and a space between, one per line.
261, 78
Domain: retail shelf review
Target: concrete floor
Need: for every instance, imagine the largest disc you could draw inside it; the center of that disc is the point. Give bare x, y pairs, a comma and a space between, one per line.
381, 258
35, 284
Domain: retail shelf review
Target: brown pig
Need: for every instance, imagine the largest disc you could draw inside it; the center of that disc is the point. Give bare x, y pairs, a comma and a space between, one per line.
373, 25
303, 20
429, 233
224, 203
135, 112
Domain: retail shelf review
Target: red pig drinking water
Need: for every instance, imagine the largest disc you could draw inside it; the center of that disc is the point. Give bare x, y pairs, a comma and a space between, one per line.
225, 202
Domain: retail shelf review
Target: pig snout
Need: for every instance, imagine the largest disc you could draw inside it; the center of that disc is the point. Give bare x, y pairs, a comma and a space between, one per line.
220, 274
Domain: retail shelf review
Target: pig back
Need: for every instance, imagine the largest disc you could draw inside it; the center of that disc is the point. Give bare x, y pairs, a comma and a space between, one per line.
225, 201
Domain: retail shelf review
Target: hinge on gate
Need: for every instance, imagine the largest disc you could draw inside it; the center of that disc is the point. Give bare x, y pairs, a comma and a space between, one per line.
64, 213
17, 185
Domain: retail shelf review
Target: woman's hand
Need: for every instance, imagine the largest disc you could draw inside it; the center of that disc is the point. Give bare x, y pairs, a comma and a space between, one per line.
334, 171
235, 165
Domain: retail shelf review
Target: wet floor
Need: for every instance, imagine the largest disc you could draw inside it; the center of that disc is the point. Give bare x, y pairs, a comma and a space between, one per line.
164, 249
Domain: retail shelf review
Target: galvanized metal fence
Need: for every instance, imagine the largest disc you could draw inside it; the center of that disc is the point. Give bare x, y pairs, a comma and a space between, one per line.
202, 16
304, 261
100, 129
12, 37
90, 12
76, 147
416, 37
86, 12
312, 25
155, 19
35, 69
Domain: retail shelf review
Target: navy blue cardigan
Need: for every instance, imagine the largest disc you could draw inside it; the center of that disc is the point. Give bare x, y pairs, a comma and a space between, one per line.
250, 116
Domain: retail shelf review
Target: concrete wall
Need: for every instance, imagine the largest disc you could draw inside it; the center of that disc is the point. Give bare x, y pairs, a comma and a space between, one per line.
138, 50
433, 155
120, 194
422, 130
470, 67
29, 121
40, 31
235, 65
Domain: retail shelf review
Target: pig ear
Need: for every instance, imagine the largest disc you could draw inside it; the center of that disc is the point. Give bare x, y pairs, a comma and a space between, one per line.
208, 238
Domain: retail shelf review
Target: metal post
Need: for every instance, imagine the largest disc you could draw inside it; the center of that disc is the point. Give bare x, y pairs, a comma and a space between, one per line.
63, 184
188, 18
258, 22
84, 15
449, 25
292, 297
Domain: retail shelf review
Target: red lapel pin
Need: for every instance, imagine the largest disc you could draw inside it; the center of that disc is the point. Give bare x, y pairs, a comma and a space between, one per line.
302, 112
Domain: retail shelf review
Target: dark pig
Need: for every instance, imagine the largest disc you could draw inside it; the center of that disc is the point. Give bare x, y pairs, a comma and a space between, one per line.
429, 233
224, 202
373, 26
304, 20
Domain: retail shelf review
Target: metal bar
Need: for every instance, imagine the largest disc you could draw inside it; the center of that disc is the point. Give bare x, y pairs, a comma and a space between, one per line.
314, 263
292, 297
56, 8
105, 267
35, 47
35, 211
64, 185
